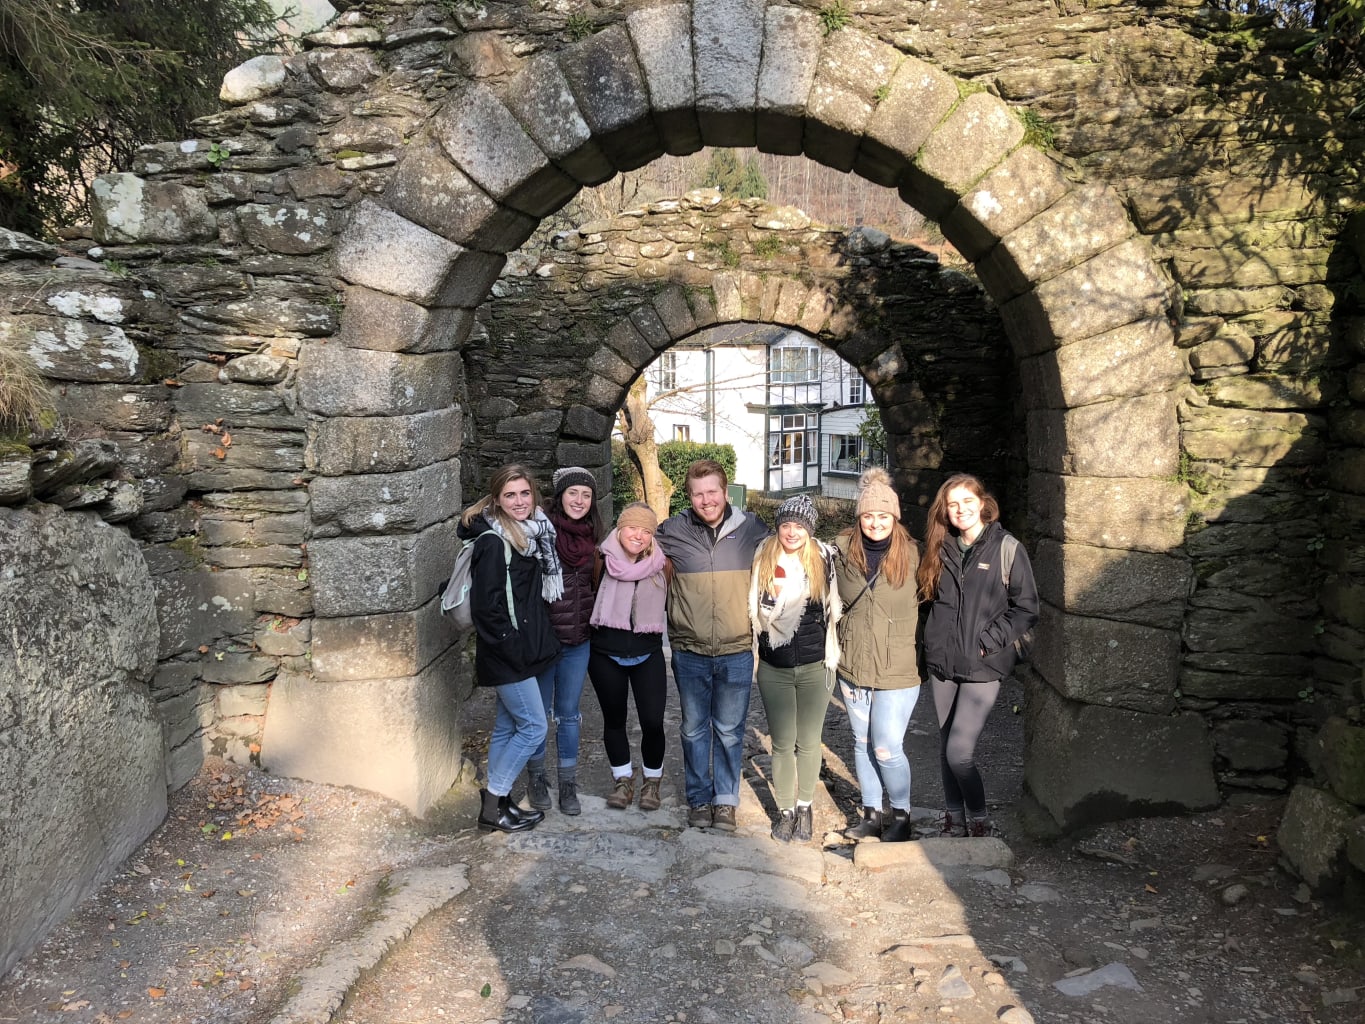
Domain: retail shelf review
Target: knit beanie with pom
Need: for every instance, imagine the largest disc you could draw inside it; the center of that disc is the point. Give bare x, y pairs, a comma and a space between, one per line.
798, 509
875, 493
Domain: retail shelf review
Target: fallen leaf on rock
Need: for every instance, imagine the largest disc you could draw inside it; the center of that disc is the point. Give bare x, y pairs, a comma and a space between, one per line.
155, 992
79, 1004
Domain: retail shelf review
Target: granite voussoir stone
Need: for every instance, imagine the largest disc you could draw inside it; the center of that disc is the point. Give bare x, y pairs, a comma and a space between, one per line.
1119, 286
674, 312
727, 39
378, 503
1028, 182
610, 91
853, 68
918, 99
389, 253
540, 98
1083, 223
580, 421
430, 190
662, 37
792, 39
485, 141
976, 136
338, 381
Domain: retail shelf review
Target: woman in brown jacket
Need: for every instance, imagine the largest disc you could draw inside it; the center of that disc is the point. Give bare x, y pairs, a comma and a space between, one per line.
878, 677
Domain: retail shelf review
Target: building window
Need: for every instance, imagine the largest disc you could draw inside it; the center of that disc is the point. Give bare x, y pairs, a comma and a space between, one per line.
847, 453
666, 371
855, 390
794, 364
682, 432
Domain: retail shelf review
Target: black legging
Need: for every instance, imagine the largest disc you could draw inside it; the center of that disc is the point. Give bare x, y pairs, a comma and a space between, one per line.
962, 712
613, 682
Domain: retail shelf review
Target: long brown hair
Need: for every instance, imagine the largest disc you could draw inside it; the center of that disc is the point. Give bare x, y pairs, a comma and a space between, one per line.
812, 560
895, 567
488, 504
938, 528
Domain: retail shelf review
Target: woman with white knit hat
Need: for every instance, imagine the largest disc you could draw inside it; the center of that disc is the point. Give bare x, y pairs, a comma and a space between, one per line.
794, 608
878, 676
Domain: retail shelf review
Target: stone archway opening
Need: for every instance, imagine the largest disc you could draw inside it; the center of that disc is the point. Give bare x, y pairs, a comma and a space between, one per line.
395, 395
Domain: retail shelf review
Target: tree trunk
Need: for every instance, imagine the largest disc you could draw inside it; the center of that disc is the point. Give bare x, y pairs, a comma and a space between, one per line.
637, 428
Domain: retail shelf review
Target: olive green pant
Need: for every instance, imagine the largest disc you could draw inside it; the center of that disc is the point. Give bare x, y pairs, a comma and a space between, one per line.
795, 701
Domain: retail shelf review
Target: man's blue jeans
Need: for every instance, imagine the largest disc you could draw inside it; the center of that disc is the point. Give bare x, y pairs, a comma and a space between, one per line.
517, 730
561, 689
713, 694
879, 719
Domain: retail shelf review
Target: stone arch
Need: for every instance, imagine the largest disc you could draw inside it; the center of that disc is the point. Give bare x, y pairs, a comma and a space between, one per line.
1085, 307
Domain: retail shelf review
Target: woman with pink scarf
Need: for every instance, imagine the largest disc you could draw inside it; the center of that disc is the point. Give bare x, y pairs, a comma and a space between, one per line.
627, 652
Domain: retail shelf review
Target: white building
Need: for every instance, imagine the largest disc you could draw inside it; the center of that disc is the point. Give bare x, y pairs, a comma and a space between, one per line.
790, 407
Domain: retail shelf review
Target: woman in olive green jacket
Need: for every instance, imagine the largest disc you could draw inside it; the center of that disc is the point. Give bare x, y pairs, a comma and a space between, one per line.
878, 673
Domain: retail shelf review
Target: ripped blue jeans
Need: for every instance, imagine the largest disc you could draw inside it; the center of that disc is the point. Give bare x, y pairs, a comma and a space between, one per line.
881, 718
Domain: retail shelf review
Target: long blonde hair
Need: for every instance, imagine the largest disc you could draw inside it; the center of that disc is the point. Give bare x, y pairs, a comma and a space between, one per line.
812, 561
489, 507
938, 527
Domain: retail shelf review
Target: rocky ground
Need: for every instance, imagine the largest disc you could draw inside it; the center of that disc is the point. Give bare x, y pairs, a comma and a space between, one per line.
271, 900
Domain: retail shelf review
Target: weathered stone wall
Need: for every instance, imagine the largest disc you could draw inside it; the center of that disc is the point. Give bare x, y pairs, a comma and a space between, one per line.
319, 294
82, 766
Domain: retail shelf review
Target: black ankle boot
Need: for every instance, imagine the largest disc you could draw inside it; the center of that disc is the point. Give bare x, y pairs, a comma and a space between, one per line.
495, 815
898, 827
522, 814
869, 828
804, 824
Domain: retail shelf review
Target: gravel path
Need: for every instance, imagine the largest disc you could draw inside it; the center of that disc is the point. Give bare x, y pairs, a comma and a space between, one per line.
326, 903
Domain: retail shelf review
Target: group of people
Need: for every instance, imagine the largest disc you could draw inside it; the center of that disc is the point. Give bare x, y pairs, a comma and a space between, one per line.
561, 601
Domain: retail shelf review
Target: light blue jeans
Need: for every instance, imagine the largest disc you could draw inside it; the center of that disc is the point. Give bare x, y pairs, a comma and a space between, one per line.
713, 695
881, 718
518, 730
561, 689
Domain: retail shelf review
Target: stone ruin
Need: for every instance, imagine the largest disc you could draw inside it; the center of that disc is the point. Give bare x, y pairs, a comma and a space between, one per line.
287, 349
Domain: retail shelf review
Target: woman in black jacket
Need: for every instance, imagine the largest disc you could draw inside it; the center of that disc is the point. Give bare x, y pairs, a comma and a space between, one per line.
514, 572
578, 527
969, 639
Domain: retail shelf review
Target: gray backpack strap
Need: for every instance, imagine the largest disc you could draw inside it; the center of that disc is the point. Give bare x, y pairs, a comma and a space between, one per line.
507, 575
1008, 545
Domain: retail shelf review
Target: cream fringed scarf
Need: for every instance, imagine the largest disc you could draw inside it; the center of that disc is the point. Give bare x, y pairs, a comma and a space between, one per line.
781, 617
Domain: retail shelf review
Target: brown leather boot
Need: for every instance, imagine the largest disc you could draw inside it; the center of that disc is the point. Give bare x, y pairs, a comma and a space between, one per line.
649, 794
622, 793
953, 826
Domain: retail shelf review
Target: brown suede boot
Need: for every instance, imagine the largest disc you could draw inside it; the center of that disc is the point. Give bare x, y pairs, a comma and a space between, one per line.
649, 794
622, 792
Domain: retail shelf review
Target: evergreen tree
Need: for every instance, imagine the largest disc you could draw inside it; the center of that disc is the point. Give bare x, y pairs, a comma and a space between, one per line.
83, 83
732, 178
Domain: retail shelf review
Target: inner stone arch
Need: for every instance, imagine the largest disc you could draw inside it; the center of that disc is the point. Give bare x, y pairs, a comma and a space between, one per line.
1083, 306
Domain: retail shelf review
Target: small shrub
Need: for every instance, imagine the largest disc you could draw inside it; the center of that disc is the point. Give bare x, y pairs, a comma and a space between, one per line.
579, 26
1037, 132
768, 246
835, 16
24, 393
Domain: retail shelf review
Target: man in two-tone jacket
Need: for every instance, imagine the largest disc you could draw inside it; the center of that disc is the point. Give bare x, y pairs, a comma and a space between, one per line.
712, 549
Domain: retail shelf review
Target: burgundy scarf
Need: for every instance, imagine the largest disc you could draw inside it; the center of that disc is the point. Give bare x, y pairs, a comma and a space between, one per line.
574, 539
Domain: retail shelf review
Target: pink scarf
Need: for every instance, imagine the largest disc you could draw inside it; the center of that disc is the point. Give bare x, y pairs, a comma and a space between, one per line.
631, 594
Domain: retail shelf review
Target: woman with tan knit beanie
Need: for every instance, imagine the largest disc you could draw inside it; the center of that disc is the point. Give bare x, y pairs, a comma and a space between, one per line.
627, 653
794, 608
878, 677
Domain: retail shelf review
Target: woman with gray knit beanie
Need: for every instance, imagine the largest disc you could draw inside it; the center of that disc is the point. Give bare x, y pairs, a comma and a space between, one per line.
794, 608
878, 676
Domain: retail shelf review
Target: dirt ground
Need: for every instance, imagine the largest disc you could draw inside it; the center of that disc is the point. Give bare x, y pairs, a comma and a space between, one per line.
624, 916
